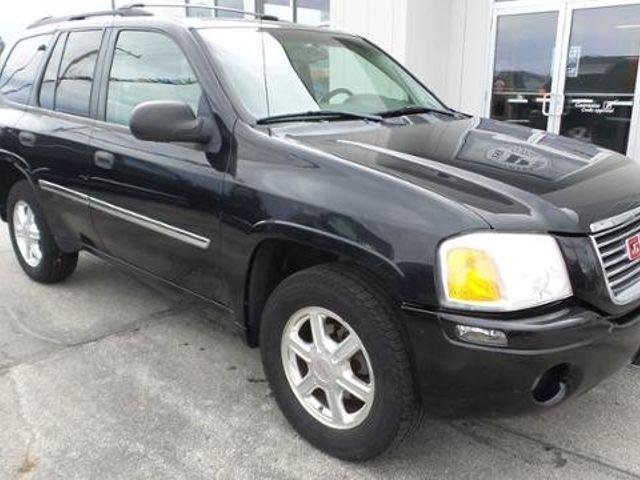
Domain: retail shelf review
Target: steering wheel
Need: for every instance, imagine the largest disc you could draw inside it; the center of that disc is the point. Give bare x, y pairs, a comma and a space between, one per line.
334, 93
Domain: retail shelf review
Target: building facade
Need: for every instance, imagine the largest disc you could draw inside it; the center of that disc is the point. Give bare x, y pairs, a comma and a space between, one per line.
312, 12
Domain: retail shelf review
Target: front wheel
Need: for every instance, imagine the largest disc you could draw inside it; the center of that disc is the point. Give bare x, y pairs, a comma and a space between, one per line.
336, 361
33, 243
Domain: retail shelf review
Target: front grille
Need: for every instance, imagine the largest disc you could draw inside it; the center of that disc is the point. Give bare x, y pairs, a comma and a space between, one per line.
622, 274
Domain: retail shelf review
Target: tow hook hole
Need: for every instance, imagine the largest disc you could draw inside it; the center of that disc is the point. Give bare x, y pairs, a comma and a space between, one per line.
551, 388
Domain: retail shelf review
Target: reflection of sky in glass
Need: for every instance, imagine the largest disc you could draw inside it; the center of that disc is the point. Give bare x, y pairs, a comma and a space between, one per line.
608, 41
526, 42
598, 32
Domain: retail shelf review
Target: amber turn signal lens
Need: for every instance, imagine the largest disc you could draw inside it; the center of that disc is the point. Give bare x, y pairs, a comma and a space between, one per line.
472, 276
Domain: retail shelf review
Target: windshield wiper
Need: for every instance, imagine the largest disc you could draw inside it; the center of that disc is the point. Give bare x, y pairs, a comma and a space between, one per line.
319, 114
415, 109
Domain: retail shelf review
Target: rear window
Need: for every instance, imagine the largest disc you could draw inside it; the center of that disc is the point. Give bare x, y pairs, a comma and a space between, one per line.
20, 70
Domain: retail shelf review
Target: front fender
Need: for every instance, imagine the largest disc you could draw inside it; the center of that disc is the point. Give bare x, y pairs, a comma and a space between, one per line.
361, 254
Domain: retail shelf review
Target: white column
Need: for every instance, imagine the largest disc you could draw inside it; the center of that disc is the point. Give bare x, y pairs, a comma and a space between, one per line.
381, 21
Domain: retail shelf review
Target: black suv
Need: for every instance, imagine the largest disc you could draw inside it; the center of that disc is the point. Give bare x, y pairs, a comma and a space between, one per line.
389, 255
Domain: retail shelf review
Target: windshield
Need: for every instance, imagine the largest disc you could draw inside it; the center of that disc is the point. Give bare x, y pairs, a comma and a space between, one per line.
279, 72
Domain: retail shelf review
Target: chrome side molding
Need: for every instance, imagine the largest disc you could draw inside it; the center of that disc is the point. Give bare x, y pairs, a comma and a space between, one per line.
64, 192
157, 226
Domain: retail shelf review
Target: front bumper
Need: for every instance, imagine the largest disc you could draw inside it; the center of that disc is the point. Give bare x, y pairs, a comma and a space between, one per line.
579, 348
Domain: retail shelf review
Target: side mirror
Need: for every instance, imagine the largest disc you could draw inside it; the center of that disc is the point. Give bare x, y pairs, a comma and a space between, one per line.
170, 121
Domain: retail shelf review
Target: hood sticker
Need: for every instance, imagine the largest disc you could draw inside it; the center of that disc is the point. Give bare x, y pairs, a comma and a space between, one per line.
517, 158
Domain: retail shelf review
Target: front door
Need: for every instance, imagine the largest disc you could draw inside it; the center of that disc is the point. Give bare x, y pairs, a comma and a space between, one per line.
569, 69
155, 205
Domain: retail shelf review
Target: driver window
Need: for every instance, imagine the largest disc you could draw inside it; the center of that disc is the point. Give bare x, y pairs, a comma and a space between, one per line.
148, 66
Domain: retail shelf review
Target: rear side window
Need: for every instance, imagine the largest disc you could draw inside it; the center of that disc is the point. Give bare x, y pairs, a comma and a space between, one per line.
50, 78
76, 72
19, 73
148, 66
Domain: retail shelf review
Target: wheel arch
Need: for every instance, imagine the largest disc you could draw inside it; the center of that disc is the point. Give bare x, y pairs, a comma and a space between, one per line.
286, 248
12, 170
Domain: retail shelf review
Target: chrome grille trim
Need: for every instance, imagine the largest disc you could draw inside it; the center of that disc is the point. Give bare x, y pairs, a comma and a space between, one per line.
622, 275
616, 222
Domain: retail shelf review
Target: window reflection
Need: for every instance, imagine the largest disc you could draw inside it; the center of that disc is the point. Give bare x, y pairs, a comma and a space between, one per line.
601, 75
287, 71
605, 43
48, 86
20, 70
523, 67
73, 92
148, 66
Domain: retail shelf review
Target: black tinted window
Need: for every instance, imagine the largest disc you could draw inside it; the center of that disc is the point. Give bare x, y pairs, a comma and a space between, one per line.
48, 86
148, 66
76, 73
19, 73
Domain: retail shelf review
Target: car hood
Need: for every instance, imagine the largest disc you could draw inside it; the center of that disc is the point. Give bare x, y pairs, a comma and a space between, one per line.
514, 177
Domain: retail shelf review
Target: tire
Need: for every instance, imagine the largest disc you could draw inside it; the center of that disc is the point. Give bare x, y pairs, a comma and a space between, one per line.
53, 265
347, 293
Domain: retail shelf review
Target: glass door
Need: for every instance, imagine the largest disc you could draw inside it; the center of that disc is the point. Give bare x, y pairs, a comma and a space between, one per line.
523, 67
601, 74
570, 69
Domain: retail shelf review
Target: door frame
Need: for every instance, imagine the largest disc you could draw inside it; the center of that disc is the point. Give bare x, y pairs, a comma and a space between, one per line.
565, 10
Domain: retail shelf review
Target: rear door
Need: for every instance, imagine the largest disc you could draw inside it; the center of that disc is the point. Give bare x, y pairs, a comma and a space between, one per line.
17, 80
155, 205
54, 133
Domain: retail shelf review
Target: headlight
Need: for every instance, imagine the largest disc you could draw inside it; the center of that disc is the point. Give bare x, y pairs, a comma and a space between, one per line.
493, 271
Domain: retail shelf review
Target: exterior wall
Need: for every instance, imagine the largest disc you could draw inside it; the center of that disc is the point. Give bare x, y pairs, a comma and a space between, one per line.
384, 22
444, 42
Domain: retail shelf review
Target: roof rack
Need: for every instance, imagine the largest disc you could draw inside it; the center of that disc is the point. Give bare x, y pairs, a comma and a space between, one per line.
120, 12
260, 16
136, 10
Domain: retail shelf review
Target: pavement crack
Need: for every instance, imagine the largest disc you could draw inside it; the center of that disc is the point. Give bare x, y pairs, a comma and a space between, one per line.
134, 327
29, 462
559, 450
23, 328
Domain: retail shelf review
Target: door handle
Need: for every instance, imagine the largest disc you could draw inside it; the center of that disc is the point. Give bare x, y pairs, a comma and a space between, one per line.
563, 107
546, 101
104, 160
27, 139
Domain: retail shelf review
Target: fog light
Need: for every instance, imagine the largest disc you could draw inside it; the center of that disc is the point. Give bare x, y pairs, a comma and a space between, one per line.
482, 336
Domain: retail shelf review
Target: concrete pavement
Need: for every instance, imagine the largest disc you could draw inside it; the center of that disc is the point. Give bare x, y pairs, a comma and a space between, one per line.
109, 376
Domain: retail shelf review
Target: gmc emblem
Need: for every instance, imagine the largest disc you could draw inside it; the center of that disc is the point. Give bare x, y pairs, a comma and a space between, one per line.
633, 248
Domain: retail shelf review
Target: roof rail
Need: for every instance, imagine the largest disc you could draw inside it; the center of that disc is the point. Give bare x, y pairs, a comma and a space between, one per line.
260, 16
120, 12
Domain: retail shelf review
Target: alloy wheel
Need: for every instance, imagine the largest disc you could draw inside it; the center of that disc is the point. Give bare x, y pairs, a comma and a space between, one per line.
27, 234
328, 368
